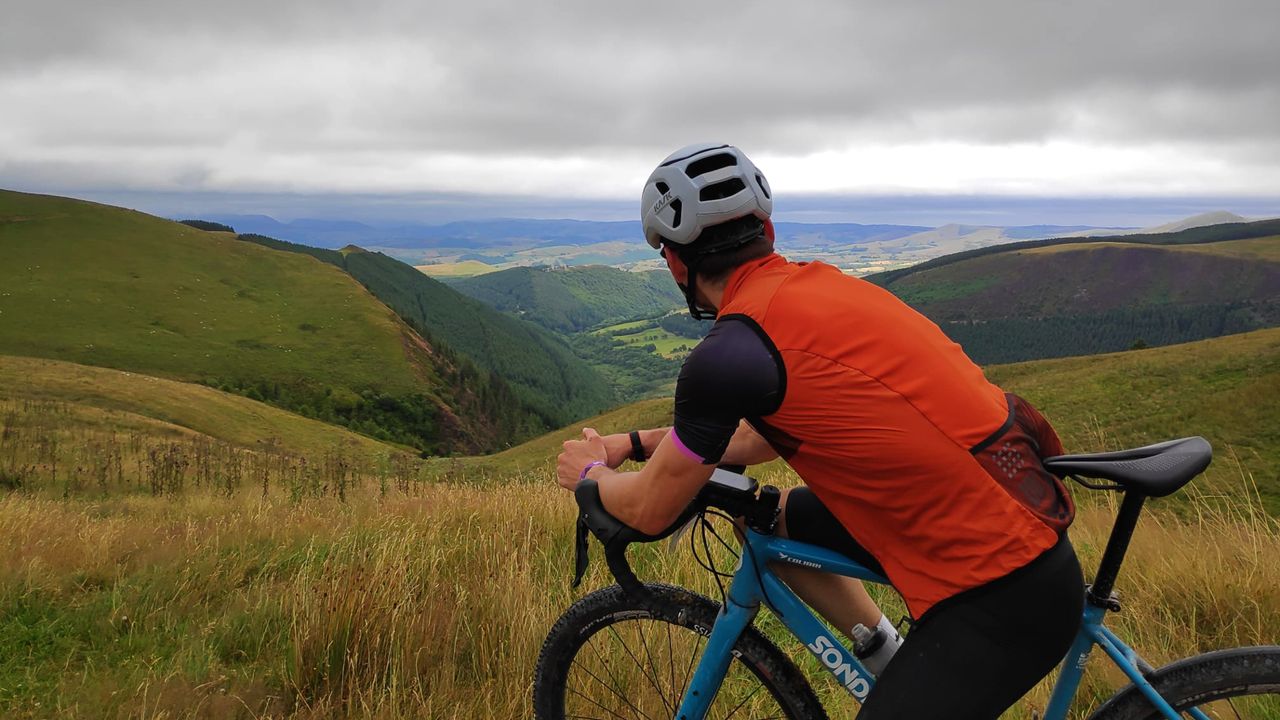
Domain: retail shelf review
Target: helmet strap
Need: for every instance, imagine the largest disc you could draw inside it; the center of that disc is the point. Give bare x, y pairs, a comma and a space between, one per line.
691, 292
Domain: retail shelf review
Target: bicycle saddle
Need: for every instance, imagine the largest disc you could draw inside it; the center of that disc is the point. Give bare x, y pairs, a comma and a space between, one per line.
1154, 470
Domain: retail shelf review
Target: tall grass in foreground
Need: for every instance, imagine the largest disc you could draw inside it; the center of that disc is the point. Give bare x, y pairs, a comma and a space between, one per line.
148, 572
387, 605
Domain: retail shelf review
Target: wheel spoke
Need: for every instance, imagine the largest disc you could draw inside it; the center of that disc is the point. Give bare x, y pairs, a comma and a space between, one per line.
595, 702
640, 665
644, 644
613, 689
584, 676
742, 702
671, 663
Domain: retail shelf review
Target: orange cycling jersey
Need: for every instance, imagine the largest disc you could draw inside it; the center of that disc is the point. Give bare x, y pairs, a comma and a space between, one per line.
930, 467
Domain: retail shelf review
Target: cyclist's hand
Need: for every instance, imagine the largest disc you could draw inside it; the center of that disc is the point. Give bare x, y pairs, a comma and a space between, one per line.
577, 455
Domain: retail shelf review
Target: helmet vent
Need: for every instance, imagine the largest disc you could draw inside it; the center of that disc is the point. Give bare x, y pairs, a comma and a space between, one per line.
664, 188
722, 190
763, 188
708, 164
676, 207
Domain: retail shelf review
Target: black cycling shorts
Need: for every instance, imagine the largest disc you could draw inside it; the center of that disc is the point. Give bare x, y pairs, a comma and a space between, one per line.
973, 655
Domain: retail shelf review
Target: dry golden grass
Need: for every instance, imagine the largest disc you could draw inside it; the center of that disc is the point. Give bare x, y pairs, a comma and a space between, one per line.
148, 572
434, 603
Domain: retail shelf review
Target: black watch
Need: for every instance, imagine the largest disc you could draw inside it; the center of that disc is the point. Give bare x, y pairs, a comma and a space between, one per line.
637, 447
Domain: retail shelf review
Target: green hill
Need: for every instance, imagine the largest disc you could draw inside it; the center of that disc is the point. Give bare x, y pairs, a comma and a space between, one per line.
1226, 389
570, 300
1070, 299
158, 407
103, 286
542, 370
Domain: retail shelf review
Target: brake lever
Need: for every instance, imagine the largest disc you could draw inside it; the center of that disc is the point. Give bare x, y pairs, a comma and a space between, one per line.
580, 556
612, 534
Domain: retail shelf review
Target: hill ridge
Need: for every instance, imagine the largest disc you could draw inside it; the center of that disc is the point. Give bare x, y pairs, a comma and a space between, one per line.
111, 287
1205, 234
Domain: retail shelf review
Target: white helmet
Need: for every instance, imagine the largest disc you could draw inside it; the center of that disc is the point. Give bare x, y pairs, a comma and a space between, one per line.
699, 186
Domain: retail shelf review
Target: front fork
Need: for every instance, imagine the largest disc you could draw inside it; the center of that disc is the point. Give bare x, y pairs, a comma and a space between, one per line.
731, 622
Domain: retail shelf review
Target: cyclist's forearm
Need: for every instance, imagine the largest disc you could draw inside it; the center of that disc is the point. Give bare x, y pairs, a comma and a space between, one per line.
652, 498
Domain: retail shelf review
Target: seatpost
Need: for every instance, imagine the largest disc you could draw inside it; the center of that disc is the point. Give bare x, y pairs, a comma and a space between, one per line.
1117, 545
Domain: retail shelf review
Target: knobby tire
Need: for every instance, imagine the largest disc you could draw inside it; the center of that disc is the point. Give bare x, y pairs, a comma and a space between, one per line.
612, 656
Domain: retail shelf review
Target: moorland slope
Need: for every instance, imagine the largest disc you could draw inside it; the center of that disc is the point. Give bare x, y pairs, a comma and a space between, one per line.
103, 286
1069, 299
539, 366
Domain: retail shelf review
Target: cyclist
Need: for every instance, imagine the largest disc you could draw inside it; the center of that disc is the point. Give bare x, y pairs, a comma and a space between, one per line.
913, 463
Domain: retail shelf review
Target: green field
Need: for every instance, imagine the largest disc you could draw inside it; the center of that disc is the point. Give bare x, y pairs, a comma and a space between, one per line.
639, 333
464, 269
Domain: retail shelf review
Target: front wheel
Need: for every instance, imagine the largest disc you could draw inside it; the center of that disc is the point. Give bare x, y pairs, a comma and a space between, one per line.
1240, 684
614, 656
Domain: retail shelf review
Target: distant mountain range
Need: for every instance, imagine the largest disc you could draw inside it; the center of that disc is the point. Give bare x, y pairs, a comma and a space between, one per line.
468, 248
478, 234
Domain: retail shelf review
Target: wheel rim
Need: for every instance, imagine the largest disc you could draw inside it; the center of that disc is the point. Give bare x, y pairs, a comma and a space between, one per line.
1243, 703
639, 669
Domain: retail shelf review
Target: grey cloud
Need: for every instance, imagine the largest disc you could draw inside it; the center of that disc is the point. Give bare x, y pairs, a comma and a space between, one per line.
594, 78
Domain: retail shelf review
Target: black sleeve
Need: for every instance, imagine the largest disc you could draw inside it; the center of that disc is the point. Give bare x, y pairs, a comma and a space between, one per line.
734, 373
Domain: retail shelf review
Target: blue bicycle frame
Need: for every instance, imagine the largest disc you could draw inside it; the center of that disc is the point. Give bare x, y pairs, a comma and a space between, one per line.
754, 582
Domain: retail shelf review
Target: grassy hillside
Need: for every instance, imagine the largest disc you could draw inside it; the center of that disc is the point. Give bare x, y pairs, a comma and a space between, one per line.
1226, 389
540, 367
570, 300
1095, 278
1084, 298
117, 401
332, 591
103, 286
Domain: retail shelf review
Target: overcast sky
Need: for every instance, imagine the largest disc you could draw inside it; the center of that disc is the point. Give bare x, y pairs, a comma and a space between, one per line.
574, 102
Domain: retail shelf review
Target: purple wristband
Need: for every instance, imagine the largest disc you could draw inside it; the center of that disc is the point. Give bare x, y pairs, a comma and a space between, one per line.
587, 469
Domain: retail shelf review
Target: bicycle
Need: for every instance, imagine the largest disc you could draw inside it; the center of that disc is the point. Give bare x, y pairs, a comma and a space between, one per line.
722, 660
